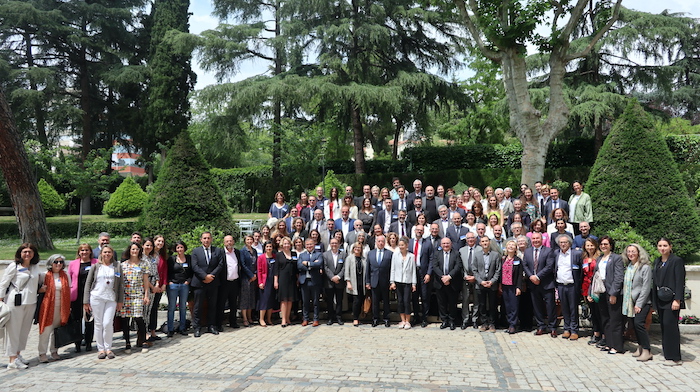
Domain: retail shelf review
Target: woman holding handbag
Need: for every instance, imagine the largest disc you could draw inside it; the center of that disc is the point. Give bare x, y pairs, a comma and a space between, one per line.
667, 295
20, 282
103, 297
55, 308
355, 269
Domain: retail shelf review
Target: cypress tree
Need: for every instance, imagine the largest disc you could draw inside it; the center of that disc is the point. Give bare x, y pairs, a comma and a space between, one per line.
635, 179
185, 196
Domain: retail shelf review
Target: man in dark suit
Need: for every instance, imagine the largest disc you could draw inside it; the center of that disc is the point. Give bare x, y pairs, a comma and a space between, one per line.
456, 232
553, 203
207, 265
401, 226
366, 194
307, 213
466, 256
377, 279
334, 270
423, 253
435, 238
452, 207
412, 216
416, 194
402, 202
487, 272
538, 263
444, 220
447, 273
102, 239
431, 203
568, 269
344, 223
376, 232
310, 266
386, 217
230, 287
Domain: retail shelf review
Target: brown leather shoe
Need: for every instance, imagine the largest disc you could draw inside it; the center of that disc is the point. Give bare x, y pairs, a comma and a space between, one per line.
315, 324
540, 332
304, 323
574, 336
566, 334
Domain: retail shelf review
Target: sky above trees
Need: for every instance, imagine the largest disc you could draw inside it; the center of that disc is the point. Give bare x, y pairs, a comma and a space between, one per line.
202, 19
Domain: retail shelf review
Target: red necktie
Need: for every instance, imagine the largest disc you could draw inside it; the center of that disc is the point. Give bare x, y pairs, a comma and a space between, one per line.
330, 209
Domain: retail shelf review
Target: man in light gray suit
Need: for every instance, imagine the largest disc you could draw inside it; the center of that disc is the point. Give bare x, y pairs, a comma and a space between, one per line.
334, 270
327, 234
444, 220
487, 272
351, 238
317, 222
466, 255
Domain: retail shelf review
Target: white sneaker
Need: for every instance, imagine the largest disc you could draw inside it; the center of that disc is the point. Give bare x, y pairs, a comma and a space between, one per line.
24, 361
407, 326
17, 364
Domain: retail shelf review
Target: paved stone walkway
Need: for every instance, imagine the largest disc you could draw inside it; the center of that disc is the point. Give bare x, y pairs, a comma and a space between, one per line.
344, 358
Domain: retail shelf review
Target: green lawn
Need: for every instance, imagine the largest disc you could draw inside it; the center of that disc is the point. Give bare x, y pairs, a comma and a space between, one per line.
68, 246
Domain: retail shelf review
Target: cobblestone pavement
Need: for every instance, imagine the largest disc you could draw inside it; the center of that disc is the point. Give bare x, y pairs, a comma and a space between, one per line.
344, 358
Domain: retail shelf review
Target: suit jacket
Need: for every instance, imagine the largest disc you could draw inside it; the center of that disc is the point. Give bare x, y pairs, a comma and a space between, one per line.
492, 275
224, 270
310, 225
545, 267
307, 214
441, 231
359, 199
216, 266
461, 211
467, 265
331, 270
432, 214
395, 228
315, 267
583, 210
412, 197
412, 216
454, 269
426, 255
339, 224
672, 275
380, 218
614, 274
548, 208
407, 205
378, 274
576, 267
459, 239
325, 238
351, 238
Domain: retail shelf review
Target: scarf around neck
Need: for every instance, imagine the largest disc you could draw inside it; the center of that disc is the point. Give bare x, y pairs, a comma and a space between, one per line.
47, 306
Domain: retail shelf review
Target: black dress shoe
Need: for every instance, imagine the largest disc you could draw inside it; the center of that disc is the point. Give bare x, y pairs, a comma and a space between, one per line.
464, 325
452, 326
235, 326
213, 330
88, 347
424, 324
171, 334
330, 322
375, 323
387, 323
220, 328
444, 325
340, 322
197, 333
183, 333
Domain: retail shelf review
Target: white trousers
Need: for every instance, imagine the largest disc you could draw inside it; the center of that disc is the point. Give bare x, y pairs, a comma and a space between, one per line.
18, 327
45, 338
103, 313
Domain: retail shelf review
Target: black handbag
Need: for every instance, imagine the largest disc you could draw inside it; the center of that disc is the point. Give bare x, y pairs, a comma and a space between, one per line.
665, 294
68, 334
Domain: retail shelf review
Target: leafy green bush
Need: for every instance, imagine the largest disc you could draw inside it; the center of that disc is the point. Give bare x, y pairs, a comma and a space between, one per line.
184, 196
636, 180
624, 235
127, 200
52, 202
332, 181
685, 148
192, 238
67, 228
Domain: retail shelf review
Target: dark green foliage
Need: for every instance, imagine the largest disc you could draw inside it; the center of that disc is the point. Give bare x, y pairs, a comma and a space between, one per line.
127, 200
329, 182
192, 238
624, 235
233, 185
185, 195
66, 227
685, 148
636, 180
52, 202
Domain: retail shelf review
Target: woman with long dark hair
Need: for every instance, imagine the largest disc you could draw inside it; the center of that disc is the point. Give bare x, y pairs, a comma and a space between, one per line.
612, 272
78, 271
179, 279
135, 273
669, 281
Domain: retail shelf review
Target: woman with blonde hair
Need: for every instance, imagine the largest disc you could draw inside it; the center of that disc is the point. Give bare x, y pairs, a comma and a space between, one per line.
636, 296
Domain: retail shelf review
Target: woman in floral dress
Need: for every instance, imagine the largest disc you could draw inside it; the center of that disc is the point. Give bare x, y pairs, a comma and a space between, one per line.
136, 294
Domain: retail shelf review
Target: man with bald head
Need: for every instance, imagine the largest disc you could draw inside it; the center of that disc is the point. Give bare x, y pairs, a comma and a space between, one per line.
431, 203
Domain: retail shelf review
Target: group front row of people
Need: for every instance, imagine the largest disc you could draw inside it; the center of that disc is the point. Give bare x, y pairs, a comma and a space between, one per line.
618, 288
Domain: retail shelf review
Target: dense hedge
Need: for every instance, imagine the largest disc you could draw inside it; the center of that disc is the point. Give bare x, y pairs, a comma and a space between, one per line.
185, 195
52, 202
636, 180
69, 229
127, 200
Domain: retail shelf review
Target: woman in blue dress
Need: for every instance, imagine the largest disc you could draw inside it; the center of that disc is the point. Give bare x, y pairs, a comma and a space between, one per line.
279, 209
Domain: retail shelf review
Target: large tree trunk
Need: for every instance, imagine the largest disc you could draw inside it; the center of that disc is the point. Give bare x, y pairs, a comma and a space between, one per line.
24, 193
358, 140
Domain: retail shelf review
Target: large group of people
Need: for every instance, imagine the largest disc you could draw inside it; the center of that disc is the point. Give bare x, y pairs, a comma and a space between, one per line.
508, 260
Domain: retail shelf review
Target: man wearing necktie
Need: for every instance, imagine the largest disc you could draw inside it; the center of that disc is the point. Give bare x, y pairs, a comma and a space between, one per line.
538, 264
377, 279
423, 252
207, 264
456, 232
487, 272
401, 226
334, 271
466, 255
447, 271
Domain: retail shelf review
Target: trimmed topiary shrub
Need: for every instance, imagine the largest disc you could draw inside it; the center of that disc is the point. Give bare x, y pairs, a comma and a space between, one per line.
52, 202
127, 200
635, 179
331, 181
184, 196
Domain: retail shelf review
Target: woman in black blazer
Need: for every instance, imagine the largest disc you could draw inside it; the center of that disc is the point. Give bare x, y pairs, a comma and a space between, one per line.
612, 271
667, 295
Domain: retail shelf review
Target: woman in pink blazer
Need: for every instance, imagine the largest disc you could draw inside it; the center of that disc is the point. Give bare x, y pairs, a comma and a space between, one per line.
78, 270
